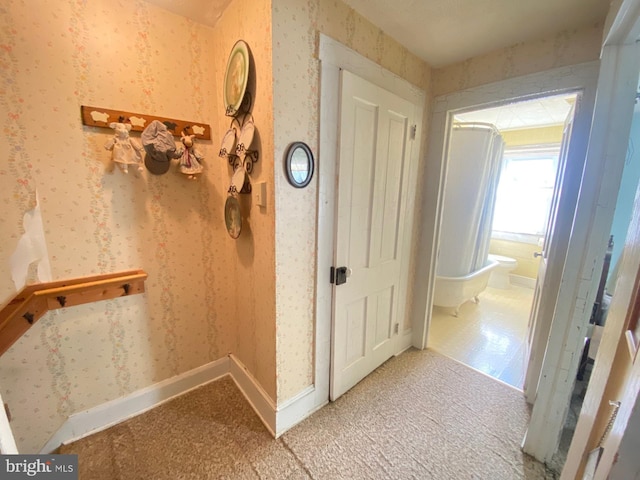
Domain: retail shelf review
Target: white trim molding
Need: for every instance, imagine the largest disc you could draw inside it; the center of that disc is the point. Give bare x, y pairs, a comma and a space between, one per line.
587, 246
335, 53
276, 420
296, 409
259, 400
101, 417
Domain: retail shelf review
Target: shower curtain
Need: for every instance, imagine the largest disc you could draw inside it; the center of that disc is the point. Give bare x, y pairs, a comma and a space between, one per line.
473, 171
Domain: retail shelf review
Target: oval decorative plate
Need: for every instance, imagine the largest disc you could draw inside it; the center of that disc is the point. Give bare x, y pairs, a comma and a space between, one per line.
236, 77
238, 178
246, 135
228, 143
232, 216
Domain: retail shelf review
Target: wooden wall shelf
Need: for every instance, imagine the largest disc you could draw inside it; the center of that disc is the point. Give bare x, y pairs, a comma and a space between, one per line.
33, 301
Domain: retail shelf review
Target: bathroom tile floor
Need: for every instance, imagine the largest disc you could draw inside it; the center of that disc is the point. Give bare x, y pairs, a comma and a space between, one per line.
489, 336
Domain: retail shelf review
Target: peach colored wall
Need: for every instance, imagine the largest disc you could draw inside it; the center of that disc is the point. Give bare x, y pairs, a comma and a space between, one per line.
252, 288
565, 48
54, 57
533, 136
296, 25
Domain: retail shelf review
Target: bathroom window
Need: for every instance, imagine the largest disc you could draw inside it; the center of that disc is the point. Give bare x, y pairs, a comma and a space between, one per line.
525, 190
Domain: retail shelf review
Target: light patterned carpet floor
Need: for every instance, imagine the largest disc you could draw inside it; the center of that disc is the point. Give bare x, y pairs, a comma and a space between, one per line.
421, 415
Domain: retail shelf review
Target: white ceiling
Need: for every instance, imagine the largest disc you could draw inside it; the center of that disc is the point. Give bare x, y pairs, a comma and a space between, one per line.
527, 114
446, 31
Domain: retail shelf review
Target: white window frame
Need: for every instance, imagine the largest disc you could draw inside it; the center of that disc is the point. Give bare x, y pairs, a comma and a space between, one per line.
529, 152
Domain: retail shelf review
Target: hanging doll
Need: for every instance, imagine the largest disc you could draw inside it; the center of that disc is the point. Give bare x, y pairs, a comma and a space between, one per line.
125, 151
191, 159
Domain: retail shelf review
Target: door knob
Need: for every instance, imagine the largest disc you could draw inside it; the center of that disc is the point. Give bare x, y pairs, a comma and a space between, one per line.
537, 254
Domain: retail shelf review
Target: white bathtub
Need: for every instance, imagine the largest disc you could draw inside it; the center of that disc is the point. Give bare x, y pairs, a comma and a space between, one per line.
454, 291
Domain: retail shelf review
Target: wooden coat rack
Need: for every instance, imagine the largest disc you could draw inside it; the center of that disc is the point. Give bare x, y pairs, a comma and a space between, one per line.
102, 117
33, 301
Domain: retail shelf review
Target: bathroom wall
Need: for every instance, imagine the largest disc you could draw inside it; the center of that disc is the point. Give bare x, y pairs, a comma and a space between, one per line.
532, 136
54, 57
296, 117
565, 48
522, 252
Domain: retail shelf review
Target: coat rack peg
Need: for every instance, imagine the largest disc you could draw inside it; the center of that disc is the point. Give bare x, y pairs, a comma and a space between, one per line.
62, 300
29, 317
171, 126
126, 287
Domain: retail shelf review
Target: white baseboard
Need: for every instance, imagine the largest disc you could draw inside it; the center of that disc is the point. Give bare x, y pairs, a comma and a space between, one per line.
522, 281
276, 420
259, 400
296, 409
111, 413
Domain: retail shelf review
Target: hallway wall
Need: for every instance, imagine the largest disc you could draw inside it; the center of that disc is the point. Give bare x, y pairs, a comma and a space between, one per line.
565, 48
251, 283
296, 117
54, 57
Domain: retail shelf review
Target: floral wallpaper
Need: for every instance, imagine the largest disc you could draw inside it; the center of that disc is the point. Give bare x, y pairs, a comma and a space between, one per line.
55, 57
296, 118
252, 285
345, 25
565, 48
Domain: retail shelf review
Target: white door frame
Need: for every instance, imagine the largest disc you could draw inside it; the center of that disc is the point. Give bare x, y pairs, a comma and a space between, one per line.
617, 84
333, 57
7, 440
582, 77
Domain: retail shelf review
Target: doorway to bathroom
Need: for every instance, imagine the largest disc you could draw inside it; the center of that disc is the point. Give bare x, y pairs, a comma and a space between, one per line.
498, 207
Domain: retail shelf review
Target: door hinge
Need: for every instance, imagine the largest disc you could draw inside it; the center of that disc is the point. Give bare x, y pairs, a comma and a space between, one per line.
414, 129
332, 275
396, 328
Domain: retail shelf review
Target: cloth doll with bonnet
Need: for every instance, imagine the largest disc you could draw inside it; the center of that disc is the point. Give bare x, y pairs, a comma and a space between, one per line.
191, 159
125, 151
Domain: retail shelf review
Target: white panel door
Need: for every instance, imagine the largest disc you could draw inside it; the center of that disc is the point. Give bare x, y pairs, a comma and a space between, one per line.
374, 153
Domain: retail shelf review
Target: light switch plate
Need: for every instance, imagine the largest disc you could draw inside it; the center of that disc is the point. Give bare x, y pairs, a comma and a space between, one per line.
261, 194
